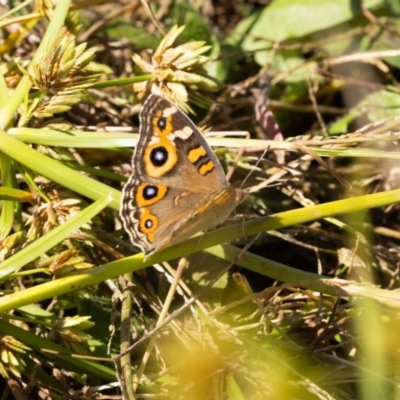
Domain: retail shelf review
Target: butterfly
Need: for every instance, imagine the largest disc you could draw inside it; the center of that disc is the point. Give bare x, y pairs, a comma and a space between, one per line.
177, 187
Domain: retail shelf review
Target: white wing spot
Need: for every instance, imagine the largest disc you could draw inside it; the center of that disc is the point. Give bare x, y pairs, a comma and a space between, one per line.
154, 139
169, 111
184, 133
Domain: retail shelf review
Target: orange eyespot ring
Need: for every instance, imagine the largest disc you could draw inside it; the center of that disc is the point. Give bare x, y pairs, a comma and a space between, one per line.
160, 158
148, 224
147, 194
162, 126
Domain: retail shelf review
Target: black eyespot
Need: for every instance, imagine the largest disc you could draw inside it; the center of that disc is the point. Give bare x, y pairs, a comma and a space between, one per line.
161, 124
159, 156
148, 224
149, 192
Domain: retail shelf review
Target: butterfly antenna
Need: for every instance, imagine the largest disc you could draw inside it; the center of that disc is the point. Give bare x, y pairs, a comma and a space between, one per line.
255, 166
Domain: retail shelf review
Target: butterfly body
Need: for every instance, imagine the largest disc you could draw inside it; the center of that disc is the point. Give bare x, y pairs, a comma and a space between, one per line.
177, 187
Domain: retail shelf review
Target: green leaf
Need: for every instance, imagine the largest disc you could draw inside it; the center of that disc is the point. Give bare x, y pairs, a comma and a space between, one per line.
288, 19
380, 105
284, 60
282, 20
393, 7
196, 25
341, 125
216, 68
139, 36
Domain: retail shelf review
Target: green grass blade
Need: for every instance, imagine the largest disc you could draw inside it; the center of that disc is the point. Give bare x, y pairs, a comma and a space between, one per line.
122, 81
135, 263
77, 139
11, 194
7, 210
233, 389
56, 171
